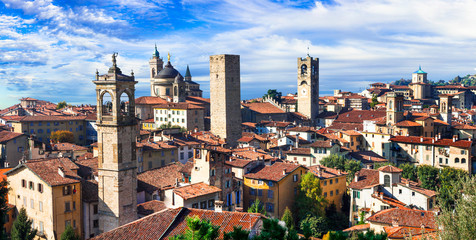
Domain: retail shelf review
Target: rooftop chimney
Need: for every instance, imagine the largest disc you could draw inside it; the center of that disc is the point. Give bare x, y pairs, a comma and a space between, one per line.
421, 139
356, 177
218, 206
61, 171
284, 172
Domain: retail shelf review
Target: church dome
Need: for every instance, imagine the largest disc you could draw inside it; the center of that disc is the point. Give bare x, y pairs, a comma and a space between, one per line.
168, 72
178, 78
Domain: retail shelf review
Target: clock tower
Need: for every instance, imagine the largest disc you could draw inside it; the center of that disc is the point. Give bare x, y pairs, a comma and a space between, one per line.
308, 87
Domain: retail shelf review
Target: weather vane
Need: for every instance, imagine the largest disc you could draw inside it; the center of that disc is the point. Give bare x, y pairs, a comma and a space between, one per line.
168, 57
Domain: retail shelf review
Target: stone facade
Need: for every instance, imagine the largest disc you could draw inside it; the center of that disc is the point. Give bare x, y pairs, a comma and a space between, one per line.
117, 130
225, 108
308, 87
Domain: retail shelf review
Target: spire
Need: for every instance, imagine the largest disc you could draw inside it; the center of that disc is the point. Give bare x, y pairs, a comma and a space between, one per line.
187, 73
419, 67
156, 53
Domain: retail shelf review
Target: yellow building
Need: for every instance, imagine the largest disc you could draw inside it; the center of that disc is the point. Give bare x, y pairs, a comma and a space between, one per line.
275, 186
333, 184
152, 155
50, 191
43, 126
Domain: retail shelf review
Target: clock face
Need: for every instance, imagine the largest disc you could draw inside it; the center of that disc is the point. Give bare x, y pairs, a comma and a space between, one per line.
304, 92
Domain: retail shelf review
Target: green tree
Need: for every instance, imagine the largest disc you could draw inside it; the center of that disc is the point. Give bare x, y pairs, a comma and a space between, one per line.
378, 165
334, 161
237, 234
274, 94
257, 207
69, 234
198, 230
457, 222
449, 185
409, 171
306, 230
271, 230
3, 207
351, 167
288, 218
333, 235
61, 105
371, 235
374, 101
316, 225
21, 229
62, 136
428, 176
310, 199
337, 221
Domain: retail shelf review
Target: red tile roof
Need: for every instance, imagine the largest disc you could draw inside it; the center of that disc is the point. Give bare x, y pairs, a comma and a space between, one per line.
6, 136
150, 207
405, 217
407, 123
263, 107
432, 141
302, 129
367, 157
275, 172
405, 232
150, 100
321, 144
171, 222
360, 227
195, 190
390, 169
323, 172
299, 151
182, 105
366, 178
159, 178
47, 170
68, 147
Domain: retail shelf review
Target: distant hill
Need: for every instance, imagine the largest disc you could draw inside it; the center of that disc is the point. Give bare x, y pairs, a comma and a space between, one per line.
468, 80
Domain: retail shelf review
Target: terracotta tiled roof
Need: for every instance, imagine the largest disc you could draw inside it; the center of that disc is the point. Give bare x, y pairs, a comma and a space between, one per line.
299, 151
366, 179
89, 189
438, 121
251, 153
405, 232
68, 147
263, 107
51, 118
159, 178
182, 105
171, 222
274, 172
327, 115
150, 100
367, 157
361, 227
323, 172
322, 144
195, 190
249, 124
390, 169
6, 136
464, 127
246, 139
302, 129
416, 187
408, 123
431, 141
358, 116
150, 207
47, 170
351, 133
388, 200
405, 217
88, 166
276, 124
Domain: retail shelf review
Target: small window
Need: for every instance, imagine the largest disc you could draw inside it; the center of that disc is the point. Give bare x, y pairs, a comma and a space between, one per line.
413, 193
67, 206
96, 223
40, 206
337, 180
337, 191
23, 183
270, 183
330, 181
32, 203
295, 177
31, 185
325, 194
463, 160
211, 203
203, 205
260, 192
270, 194
332, 193
399, 191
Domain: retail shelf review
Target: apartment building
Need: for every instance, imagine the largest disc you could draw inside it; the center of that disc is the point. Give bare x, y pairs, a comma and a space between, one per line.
333, 183
50, 191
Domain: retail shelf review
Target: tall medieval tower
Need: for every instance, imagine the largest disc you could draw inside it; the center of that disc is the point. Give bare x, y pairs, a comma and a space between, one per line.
225, 99
308, 87
446, 101
394, 108
156, 64
117, 126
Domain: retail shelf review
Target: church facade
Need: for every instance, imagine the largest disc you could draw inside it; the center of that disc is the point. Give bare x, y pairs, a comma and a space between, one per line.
166, 82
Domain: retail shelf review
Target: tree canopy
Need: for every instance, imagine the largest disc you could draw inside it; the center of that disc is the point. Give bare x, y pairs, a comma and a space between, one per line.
21, 229
62, 136
198, 230
310, 199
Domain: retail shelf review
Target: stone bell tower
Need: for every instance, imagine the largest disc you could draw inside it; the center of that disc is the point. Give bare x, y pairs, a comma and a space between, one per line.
308, 87
117, 126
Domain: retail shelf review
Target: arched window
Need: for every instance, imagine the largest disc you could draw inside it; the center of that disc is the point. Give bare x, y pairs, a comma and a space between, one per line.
175, 91
106, 100
303, 69
390, 105
124, 101
386, 180
167, 91
463, 160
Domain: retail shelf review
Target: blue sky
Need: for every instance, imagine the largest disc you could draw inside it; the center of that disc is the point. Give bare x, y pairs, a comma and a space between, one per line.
51, 49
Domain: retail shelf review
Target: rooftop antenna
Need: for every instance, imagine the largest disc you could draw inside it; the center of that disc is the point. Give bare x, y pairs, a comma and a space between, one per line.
308, 51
